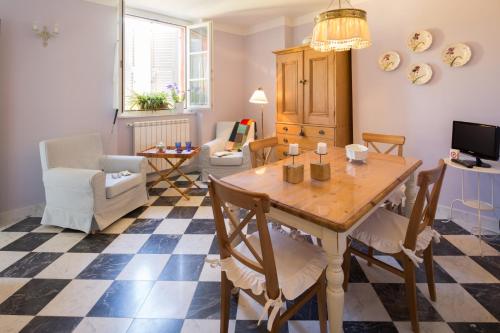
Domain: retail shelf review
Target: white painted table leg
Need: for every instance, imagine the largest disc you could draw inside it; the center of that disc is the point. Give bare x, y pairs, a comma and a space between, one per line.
334, 245
411, 194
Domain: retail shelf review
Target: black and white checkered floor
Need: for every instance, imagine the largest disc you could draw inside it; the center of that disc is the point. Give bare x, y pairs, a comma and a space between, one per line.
147, 273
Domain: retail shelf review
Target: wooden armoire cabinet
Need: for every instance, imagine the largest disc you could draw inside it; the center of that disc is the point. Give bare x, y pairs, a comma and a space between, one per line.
313, 98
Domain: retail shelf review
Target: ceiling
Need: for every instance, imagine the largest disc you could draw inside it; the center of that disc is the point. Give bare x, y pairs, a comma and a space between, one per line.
243, 13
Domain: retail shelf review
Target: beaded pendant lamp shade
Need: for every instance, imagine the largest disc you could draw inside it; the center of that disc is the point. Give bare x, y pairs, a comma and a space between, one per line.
341, 29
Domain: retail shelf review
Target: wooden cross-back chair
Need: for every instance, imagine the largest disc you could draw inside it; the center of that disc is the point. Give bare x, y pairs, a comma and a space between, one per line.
395, 141
262, 259
417, 233
258, 154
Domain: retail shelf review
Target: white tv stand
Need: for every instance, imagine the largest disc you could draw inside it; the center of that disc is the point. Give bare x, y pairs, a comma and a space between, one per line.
476, 203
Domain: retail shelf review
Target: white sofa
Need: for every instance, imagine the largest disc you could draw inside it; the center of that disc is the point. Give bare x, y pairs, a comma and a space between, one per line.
226, 165
80, 191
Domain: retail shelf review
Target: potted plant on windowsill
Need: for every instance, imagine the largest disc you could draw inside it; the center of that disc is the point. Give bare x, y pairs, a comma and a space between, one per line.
176, 96
150, 101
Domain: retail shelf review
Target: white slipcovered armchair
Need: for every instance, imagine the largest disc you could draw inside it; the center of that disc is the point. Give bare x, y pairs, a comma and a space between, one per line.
80, 190
225, 165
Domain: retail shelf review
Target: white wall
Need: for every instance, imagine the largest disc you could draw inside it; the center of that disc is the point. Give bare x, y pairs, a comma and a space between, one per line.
63, 89
388, 103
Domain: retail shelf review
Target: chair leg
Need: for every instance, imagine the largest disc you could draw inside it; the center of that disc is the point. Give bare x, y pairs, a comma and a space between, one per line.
225, 296
346, 265
429, 272
322, 308
370, 253
411, 292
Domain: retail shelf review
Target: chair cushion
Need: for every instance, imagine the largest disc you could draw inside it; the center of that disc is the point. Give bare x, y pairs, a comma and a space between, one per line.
116, 186
234, 158
298, 264
385, 231
398, 197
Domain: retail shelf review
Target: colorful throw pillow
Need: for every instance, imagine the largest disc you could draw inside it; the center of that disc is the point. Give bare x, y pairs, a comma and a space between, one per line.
239, 135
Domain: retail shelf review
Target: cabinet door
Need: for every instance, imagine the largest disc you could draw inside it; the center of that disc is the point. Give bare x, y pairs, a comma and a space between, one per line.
289, 92
319, 87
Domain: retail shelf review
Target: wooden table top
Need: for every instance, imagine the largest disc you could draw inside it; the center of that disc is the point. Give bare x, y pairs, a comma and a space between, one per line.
352, 191
169, 152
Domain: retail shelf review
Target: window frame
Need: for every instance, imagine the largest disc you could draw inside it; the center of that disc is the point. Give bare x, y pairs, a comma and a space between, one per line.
209, 26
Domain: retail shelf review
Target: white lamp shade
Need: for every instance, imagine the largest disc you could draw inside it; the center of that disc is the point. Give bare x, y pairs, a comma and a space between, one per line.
258, 97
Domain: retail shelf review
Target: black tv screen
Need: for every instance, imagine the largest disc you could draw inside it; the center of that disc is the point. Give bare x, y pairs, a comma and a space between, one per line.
478, 140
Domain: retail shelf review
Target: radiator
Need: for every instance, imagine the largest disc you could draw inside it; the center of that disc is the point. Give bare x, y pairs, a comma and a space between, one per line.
149, 133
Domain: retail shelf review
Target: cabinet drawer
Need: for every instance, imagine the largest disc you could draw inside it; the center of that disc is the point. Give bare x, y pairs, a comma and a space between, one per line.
288, 129
319, 132
305, 143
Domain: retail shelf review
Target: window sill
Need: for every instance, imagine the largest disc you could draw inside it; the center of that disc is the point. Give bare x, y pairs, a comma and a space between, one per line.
149, 114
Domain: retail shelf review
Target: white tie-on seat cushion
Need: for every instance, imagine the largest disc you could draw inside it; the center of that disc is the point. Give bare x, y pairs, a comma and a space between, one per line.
235, 158
398, 197
298, 264
117, 186
385, 231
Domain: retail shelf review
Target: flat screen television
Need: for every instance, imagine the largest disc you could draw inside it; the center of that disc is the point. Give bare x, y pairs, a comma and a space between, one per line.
478, 140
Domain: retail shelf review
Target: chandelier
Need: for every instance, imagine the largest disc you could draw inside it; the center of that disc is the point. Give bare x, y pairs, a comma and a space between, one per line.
340, 29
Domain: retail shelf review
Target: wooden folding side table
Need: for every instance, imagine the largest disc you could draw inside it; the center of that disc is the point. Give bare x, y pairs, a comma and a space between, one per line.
168, 154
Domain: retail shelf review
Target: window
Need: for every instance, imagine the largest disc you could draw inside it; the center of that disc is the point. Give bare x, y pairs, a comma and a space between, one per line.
156, 51
154, 55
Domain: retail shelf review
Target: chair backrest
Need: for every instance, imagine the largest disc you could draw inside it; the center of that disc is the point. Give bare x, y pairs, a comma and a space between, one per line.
424, 209
224, 129
258, 152
371, 139
257, 204
80, 152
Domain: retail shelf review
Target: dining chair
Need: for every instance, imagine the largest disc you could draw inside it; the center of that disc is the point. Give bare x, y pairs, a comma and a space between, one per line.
403, 238
395, 141
373, 140
258, 152
260, 157
268, 265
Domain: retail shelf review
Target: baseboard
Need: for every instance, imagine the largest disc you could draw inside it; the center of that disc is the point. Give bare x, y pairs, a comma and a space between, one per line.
19, 214
468, 219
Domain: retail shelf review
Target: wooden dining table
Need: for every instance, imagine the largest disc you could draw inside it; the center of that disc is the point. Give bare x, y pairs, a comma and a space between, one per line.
329, 209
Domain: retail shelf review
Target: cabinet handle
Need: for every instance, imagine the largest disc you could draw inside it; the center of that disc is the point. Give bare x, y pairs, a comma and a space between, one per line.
304, 81
285, 153
285, 129
321, 132
285, 140
302, 132
301, 81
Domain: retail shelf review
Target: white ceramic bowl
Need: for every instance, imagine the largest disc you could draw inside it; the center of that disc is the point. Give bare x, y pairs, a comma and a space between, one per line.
356, 152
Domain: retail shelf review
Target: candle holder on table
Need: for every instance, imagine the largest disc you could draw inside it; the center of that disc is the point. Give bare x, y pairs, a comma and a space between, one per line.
293, 173
320, 171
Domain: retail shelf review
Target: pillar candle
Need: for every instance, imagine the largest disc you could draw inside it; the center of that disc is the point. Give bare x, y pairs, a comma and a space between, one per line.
322, 148
293, 149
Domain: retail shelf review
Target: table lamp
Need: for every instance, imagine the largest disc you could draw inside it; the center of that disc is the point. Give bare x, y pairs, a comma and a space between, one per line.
259, 97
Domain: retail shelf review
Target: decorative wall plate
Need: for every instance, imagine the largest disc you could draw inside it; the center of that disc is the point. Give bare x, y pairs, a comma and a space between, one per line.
389, 61
456, 55
420, 74
420, 41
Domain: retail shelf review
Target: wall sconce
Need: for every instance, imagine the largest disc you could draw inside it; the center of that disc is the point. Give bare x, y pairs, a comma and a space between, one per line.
44, 34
